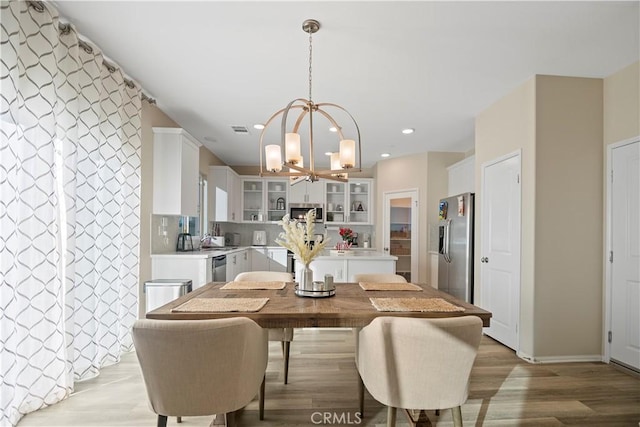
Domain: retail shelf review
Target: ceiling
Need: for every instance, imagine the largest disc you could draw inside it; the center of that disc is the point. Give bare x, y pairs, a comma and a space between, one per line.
431, 66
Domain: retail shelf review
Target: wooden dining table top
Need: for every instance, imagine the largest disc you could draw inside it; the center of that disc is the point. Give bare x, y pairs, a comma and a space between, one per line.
350, 307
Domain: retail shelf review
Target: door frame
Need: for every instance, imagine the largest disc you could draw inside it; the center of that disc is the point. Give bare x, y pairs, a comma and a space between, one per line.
517, 153
608, 246
414, 195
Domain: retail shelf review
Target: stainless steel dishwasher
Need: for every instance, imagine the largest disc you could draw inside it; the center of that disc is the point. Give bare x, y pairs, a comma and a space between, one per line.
219, 266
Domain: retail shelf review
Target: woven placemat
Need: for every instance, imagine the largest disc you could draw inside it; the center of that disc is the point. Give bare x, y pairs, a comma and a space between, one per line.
254, 285
205, 305
369, 286
413, 304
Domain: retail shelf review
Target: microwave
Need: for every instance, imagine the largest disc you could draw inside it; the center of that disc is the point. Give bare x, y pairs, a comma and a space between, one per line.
299, 210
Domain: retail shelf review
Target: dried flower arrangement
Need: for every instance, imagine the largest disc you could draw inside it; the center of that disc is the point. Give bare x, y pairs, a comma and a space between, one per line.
297, 237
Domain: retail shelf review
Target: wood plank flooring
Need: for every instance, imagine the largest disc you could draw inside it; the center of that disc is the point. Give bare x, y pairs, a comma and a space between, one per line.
322, 390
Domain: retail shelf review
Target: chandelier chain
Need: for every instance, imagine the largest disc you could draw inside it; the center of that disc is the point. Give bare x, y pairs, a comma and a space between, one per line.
310, 56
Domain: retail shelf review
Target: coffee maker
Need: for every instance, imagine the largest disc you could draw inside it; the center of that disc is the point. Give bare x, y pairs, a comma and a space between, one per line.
185, 243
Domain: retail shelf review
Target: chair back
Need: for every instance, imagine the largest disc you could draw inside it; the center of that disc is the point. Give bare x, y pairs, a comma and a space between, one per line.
379, 278
200, 367
419, 363
264, 276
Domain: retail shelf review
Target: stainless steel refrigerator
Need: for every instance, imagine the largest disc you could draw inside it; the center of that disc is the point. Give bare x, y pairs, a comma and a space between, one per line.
455, 245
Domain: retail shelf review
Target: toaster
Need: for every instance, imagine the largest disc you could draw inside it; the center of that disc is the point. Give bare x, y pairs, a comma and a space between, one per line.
259, 238
232, 239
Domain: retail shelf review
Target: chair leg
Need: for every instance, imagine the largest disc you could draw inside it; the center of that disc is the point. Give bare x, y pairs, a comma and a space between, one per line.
230, 418
179, 419
261, 399
287, 345
360, 395
457, 416
162, 421
391, 416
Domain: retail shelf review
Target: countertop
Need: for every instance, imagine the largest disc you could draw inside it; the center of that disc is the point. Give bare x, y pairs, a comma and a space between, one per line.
210, 252
360, 254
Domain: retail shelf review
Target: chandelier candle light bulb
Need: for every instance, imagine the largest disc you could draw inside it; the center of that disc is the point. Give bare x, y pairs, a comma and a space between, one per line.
274, 159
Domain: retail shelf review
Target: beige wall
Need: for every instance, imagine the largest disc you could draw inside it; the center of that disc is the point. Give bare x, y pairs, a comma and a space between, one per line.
207, 158
556, 122
568, 236
622, 104
426, 173
503, 128
437, 188
152, 116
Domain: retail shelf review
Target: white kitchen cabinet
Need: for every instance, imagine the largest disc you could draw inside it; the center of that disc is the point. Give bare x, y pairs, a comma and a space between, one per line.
175, 172
196, 269
238, 262
350, 202
360, 201
264, 200
462, 178
269, 259
307, 192
344, 268
223, 199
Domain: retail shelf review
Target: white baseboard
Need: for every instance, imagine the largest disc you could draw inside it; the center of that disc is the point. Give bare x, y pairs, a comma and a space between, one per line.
562, 359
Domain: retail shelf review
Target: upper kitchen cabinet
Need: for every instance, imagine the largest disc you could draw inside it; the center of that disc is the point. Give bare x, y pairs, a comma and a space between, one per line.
264, 199
307, 192
252, 199
360, 200
223, 198
350, 202
175, 172
277, 198
336, 206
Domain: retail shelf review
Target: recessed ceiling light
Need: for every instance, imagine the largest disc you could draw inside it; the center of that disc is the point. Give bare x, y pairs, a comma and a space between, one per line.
258, 126
408, 131
385, 155
328, 153
333, 129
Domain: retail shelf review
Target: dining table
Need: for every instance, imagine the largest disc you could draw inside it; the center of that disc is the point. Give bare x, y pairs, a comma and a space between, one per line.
350, 307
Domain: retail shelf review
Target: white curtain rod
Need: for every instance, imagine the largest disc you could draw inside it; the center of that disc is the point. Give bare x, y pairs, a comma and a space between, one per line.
65, 28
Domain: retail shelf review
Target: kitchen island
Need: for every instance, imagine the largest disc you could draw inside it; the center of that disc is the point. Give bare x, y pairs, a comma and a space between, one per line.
343, 267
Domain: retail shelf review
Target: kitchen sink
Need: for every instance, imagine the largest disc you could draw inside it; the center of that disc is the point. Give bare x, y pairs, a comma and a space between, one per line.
221, 249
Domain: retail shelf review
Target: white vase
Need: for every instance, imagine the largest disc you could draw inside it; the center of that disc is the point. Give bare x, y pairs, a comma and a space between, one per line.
306, 279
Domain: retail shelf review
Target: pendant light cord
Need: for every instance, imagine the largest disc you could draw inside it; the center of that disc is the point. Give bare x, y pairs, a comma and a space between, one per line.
310, 56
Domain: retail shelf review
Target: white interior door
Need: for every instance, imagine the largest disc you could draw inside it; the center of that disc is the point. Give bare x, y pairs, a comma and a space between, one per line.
400, 231
625, 257
500, 247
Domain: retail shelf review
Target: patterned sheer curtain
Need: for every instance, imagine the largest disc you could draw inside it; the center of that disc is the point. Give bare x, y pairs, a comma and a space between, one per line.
69, 209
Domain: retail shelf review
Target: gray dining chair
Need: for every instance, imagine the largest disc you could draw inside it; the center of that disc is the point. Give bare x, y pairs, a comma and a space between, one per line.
201, 367
422, 364
283, 335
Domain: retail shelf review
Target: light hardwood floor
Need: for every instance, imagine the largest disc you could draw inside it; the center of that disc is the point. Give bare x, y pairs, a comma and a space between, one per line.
322, 390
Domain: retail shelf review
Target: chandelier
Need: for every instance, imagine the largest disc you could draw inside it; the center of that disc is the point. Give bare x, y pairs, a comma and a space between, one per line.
342, 162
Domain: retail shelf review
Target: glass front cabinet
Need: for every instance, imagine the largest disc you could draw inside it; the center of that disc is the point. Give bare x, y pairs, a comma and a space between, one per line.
264, 200
350, 202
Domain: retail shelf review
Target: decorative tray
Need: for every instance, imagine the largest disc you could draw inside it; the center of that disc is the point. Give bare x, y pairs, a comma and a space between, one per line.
320, 293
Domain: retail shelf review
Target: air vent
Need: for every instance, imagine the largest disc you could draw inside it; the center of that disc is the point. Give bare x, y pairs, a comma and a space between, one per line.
240, 130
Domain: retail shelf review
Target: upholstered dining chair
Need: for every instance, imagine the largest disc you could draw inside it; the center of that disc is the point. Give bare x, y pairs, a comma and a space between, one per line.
423, 364
201, 367
379, 278
371, 278
284, 335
